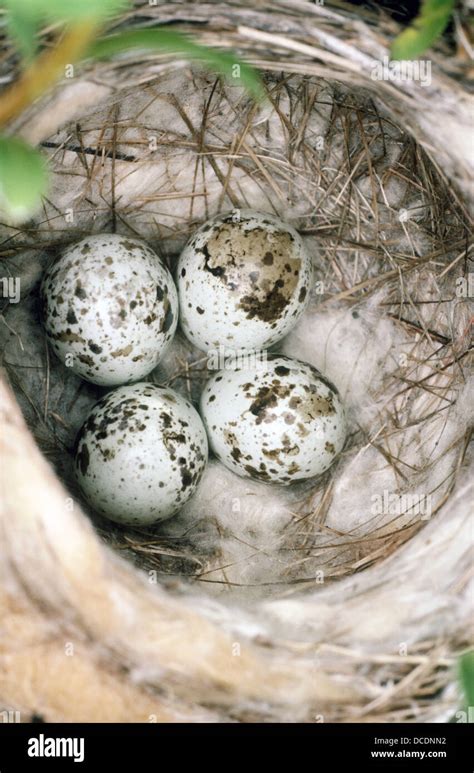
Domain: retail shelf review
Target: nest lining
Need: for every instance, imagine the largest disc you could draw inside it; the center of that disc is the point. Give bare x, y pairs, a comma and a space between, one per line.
326, 160
388, 239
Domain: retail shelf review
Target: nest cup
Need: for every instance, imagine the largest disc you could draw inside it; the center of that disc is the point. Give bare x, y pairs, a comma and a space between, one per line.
341, 599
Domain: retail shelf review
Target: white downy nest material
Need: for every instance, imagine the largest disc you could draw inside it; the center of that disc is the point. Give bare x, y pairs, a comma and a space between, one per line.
344, 598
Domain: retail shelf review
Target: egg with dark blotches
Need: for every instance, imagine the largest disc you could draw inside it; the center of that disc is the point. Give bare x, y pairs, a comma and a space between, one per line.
110, 308
243, 281
140, 454
280, 422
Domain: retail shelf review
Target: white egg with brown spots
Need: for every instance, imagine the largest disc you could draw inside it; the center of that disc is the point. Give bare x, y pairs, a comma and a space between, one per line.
243, 281
110, 308
140, 454
280, 422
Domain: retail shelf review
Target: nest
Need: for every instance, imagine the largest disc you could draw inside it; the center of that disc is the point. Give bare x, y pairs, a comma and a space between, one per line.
344, 599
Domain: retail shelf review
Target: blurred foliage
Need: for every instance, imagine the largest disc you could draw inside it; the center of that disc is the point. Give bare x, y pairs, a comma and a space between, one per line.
25, 17
23, 176
425, 29
168, 41
466, 675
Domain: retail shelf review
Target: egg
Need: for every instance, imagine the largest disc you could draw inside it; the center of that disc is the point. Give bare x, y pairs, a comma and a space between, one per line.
140, 454
243, 281
110, 308
279, 422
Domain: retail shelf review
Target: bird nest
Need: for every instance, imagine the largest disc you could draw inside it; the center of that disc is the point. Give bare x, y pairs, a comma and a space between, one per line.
340, 599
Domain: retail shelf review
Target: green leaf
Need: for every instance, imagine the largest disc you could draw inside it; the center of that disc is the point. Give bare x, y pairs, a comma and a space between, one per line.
425, 29
466, 673
23, 179
169, 41
24, 17
23, 30
64, 10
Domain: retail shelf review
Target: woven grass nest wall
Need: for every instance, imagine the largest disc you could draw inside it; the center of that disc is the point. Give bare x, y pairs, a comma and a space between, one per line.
255, 603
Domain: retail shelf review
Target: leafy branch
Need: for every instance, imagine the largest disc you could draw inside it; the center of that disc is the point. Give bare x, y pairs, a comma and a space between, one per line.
80, 26
425, 29
170, 42
46, 69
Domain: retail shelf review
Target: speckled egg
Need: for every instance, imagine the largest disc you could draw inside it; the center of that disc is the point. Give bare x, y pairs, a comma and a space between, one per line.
243, 281
110, 308
140, 454
280, 422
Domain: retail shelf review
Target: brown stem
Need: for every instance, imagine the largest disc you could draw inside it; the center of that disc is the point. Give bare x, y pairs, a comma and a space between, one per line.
46, 70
